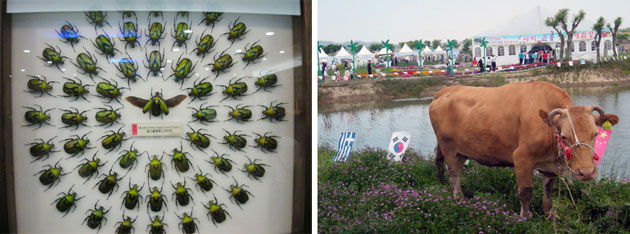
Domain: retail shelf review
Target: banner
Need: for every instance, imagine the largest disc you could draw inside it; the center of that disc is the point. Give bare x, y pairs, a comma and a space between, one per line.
399, 144
601, 143
346, 140
539, 38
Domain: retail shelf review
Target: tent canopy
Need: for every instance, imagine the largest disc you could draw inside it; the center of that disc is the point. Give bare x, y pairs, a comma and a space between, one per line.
322, 54
406, 51
343, 54
383, 51
364, 53
427, 51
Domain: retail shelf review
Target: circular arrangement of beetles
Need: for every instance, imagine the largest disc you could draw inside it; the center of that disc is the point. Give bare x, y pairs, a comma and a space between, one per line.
204, 164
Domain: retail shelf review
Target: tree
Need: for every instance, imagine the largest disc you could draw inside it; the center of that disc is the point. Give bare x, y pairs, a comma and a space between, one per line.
614, 30
375, 47
467, 43
413, 44
358, 48
435, 43
332, 48
554, 22
427, 44
401, 44
597, 27
576, 21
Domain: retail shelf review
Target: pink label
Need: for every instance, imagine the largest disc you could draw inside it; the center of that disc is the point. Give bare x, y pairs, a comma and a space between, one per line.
601, 143
134, 129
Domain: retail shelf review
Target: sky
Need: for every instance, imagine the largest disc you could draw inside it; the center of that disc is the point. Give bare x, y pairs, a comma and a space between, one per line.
405, 20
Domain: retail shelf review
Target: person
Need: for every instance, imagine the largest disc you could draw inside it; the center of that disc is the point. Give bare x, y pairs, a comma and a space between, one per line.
346, 73
545, 57
532, 57
474, 62
520, 58
324, 71
494, 63
480, 63
351, 74
369, 68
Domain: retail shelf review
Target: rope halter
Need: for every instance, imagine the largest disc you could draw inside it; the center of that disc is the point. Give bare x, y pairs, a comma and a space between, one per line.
567, 150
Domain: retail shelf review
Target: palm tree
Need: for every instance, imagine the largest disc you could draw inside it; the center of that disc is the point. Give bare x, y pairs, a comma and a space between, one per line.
554, 22
597, 27
576, 21
614, 30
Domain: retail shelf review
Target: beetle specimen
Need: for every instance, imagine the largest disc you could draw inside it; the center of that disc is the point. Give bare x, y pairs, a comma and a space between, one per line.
76, 145
156, 168
155, 33
73, 118
180, 160
129, 157
234, 140
222, 64
183, 71
132, 197
240, 114
239, 193
203, 182
129, 70
181, 194
223, 164
181, 33
157, 225
41, 148
37, 85
234, 90
216, 211
200, 89
157, 105
67, 201
129, 14
205, 43
50, 175
126, 225
211, 18
75, 89
108, 90
107, 116
34, 116
96, 217
266, 142
97, 18
87, 64
108, 183
129, 31
52, 56
197, 139
110, 141
156, 63
106, 45
202, 114
253, 53
266, 81
254, 169
155, 14
89, 167
182, 13
70, 34
156, 200
188, 224
237, 30
274, 112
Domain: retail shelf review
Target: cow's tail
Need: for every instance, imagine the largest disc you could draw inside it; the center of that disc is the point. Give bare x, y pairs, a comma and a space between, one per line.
439, 164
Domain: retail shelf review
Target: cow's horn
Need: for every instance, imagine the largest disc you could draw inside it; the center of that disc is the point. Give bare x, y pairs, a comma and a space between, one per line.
554, 112
602, 116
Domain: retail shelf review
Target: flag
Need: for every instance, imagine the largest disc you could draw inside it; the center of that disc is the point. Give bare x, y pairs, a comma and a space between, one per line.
399, 144
346, 140
601, 142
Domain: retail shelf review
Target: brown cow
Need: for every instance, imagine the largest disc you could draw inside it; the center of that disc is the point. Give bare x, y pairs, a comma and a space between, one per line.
515, 126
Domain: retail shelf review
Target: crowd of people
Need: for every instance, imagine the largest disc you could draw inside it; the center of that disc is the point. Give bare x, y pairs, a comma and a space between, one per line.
535, 57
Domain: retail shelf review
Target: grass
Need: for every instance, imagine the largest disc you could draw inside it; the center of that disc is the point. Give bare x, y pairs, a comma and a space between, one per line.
370, 194
404, 88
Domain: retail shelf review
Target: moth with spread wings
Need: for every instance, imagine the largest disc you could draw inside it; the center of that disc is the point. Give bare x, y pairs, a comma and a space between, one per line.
156, 104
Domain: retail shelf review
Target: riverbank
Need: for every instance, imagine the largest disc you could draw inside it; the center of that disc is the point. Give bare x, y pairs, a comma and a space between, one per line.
339, 96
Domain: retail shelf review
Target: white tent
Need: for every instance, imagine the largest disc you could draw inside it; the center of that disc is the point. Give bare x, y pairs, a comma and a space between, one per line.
406, 51
363, 56
383, 51
343, 54
427, 51
323, 57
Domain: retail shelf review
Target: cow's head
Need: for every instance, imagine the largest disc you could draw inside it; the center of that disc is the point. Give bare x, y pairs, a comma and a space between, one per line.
585, 124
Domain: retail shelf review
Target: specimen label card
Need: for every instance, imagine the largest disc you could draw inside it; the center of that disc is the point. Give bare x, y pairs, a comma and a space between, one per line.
156, 129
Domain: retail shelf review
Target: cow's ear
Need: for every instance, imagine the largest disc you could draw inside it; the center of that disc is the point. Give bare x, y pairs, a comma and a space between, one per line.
612, 118
543, 115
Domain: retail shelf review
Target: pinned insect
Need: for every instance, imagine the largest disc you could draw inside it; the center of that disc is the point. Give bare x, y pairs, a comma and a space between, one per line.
222, 64
155, 33
234, 140
157, 225
67, 201
266, 142
41, 148
181, 194
216, 211
107, 116
89, 167
240, 195
205, 43
108, 183
266, 81
180, 160
37, 85
181, 33
76, 145
254, 169
69, 34
237, 30
73, 118
126, 225
203, 182
157, 105
106, 45
97, 18
156, 63
240, 113
75, 89
211, 18
110, 141
197, 139
129, 31
183, 71
155, 14
129, 70
273, 112
156, 200
202, 114
156, 168
108, 90
132, 197
234, 90
52, 56
181, 13
51, 174
96, 217
223, 164
253, 53
188, 224
200, 89
129, 158
87, 64
129, 14
34, 116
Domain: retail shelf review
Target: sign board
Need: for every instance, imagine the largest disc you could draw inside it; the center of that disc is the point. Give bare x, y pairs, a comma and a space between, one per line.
571, 63
559, 64
346, 140
582, 62
173, 129
398, 144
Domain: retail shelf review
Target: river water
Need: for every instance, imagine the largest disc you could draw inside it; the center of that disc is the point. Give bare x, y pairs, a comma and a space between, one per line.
375, 123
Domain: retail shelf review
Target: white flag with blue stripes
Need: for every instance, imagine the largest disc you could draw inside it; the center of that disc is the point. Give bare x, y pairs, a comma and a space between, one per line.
345, 146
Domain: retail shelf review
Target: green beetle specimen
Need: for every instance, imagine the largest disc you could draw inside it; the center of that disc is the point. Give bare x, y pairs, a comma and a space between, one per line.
76, 145
216, 211
106, 45
129, 14
51, 174
75, 89
188, 224
180, 160
129, 158
69, 34
181, 194
132, 197
254, 169
234, 90
97, 18
240, 113
73, 118
156, 63
37, 85
155, 14
109, 90
96, 217
266, 142
234, 140
87, 64
129, 70
223, 164
157, 105
197, 139
202, 114
237, 30
89, 167
34, 116
52, 56
126, 225
239, 193
157, 225
181, 33
107, 116
222, 64
156, 167
108, 183
253, 53
273, 112
155, 33
266, 81
67, 201
211, 18
181, 13
129, 31
203, 182
184, 69
156, 200
41, 148
110, 141
205, 43
200, 89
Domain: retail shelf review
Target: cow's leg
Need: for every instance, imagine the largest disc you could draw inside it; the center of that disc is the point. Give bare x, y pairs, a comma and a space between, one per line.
454, 162
524, 168
547, 186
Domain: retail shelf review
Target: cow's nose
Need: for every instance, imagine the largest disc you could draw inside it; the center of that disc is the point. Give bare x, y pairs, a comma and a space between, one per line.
587, 174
